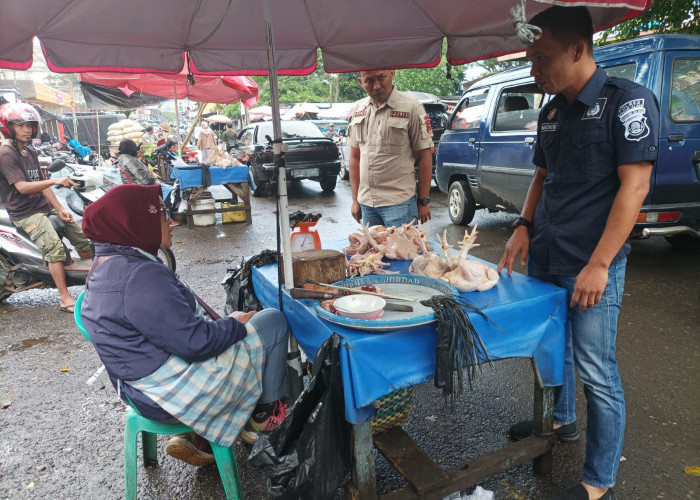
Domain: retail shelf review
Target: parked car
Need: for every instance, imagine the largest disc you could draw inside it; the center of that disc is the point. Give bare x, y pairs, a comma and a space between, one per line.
310, 155
485, 154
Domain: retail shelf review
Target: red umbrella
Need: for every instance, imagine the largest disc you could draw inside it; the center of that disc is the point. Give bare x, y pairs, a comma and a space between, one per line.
206, 88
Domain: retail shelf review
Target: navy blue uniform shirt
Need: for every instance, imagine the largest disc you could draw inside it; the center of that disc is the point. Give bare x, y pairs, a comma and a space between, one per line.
612, 122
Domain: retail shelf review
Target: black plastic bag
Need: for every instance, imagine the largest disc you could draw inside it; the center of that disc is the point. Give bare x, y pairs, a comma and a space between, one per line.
308, 455
238, 284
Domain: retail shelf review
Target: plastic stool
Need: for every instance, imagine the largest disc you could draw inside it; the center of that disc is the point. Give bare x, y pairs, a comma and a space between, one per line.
135, 423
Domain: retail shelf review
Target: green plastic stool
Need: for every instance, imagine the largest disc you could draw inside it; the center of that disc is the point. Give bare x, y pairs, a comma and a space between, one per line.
135, 423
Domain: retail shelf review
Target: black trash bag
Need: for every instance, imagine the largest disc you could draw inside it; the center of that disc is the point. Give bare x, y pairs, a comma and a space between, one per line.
309, 454
238, 284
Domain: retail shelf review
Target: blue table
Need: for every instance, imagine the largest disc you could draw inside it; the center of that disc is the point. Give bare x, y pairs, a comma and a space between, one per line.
235, 179
531, 319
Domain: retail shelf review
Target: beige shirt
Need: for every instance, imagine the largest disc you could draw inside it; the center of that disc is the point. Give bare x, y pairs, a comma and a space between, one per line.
387, 136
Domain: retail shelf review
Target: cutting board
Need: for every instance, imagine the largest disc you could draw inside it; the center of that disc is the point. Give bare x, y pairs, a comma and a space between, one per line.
324, 266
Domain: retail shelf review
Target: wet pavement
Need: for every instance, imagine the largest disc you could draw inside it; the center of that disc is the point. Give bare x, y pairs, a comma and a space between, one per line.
61, 434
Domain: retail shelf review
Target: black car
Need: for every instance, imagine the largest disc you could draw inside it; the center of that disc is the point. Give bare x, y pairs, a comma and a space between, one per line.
310, 155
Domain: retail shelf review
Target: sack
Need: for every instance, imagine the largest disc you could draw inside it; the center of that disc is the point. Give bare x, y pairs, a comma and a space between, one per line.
308, 455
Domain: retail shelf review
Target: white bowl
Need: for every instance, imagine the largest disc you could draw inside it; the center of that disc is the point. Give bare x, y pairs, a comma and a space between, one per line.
359, 306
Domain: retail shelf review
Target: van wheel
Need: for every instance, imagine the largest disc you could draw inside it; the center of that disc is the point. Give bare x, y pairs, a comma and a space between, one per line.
460, 203
684, 241
328, 183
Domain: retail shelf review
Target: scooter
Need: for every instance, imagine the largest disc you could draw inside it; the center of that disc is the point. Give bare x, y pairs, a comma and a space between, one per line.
22, 266
21, 263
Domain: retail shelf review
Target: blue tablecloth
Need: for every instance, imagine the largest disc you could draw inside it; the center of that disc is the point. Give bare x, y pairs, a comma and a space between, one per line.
531, 316
190, 176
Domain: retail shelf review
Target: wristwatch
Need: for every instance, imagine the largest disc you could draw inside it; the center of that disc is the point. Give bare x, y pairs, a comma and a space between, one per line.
521, 221
424, 201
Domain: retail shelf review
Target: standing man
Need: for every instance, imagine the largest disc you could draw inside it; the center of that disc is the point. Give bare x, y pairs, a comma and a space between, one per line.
229, 137
597, 142
388, 130
331, 133
29, 199
149, 137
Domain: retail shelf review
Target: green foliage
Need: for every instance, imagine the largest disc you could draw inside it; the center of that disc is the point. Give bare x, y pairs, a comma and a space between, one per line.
233, 111
664, 16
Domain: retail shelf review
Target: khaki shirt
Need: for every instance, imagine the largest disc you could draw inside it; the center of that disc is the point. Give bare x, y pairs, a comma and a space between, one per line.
387, 136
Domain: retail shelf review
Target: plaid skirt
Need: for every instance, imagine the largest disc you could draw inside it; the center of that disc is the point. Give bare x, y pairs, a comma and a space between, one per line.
214, 397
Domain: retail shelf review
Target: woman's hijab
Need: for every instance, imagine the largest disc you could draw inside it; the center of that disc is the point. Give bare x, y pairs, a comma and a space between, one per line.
128, 215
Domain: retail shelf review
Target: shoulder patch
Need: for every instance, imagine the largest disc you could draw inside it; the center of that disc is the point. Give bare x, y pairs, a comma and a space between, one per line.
428, 125
360, 113
400, 114
632, 114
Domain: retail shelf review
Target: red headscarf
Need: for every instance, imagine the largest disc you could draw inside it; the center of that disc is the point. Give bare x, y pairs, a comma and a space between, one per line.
126, 215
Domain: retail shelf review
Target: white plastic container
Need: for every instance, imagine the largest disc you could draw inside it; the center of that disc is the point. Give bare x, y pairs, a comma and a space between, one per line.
204, 202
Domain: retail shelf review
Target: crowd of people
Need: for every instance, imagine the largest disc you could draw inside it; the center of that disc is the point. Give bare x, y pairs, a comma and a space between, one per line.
159, 353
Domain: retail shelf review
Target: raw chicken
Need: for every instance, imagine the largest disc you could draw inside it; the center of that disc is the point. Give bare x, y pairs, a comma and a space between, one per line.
428, 264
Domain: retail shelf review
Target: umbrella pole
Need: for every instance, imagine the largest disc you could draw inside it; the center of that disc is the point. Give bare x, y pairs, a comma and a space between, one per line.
99, 139
195, 121
296, 384
177, 122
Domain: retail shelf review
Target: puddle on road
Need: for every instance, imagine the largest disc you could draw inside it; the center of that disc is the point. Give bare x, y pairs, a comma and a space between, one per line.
26, 344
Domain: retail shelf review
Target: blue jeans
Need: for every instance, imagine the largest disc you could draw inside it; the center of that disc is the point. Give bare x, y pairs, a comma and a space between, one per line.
391, 215
272, 329
590, 347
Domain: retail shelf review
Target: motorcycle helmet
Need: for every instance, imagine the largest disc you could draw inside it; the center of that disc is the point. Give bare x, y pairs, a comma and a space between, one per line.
18, 112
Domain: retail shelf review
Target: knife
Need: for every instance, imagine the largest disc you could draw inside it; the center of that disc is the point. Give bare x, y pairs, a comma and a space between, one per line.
303, 293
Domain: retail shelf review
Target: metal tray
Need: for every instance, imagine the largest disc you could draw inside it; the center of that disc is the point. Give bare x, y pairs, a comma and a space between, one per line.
402, 285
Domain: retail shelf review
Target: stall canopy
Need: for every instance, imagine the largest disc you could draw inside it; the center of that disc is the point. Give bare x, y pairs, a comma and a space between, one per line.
203, 88
107, 98
229, 37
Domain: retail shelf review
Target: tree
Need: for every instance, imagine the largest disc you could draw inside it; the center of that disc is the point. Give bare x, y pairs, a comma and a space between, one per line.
664, 16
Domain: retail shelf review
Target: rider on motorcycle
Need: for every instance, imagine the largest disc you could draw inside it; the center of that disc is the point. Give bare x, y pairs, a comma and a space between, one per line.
27, 196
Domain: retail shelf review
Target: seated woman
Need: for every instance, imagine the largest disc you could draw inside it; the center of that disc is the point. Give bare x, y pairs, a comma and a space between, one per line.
162, 355
131, 169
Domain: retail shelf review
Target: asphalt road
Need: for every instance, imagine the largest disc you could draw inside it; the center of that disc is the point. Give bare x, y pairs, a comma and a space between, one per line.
61, 438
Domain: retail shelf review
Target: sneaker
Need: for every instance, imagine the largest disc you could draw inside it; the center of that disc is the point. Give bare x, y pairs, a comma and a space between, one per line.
190, 448
265, 418
566, 433
578, 492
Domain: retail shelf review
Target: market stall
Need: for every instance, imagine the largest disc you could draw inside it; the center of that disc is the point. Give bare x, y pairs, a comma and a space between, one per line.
527, 319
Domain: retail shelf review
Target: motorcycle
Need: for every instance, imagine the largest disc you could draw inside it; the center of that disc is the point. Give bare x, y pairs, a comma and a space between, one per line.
22, 266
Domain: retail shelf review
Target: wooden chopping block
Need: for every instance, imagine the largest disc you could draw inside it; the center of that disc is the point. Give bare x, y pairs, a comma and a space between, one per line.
324, 266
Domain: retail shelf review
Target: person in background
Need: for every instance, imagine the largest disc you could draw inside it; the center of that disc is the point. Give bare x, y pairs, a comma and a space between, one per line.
221, 378
45, 137
229, 137
574, 227
29, 199
149, 137
131, 169
206, 141
331, 133
388, 130
164, 131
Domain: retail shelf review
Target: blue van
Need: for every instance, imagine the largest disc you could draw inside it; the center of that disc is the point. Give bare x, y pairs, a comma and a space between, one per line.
485, 155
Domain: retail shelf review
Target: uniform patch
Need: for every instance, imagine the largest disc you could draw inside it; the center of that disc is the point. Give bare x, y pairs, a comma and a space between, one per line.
428, 125
399, 114
359, 113
595, 112
632, 115
552, 113
548, 127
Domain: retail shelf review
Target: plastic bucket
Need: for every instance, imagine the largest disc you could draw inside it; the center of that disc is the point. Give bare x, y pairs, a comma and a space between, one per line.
204, 202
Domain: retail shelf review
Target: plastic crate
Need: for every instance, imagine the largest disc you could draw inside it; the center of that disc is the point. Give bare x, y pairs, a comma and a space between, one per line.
227, 217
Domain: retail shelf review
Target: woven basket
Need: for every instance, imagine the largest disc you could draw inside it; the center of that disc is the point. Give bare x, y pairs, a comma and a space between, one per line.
392, 410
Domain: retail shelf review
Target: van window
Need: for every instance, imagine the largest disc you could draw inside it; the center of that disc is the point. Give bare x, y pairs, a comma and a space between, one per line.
685, 90
470, 111
518, 109
246, 137
628, 70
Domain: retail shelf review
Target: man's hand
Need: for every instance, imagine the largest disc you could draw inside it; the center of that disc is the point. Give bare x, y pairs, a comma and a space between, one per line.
64, 181
589, 287
424, 212
519, 243
356, 211
65, 216
242, 317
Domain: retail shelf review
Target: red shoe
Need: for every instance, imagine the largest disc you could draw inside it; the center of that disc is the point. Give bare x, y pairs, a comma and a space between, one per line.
265, 418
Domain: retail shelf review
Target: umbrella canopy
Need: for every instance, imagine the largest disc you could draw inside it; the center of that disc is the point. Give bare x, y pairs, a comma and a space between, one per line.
218, 119
226, 37
260, 113
219, 89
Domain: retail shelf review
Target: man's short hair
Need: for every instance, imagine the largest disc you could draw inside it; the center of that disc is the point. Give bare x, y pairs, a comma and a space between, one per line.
149, 129
229, 125
567, 24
